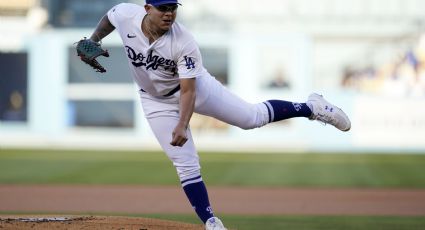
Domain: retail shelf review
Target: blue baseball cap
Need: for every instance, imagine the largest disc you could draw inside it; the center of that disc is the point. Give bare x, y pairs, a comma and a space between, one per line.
162, 2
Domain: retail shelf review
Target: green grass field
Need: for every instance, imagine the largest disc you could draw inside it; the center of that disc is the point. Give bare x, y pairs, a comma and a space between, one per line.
292, 170
296, 170
312, 222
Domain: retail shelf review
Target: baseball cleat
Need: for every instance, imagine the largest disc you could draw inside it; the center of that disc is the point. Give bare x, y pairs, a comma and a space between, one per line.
327, 113
214, 223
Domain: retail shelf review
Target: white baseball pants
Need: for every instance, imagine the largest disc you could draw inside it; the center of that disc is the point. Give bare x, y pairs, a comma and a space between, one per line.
212, 99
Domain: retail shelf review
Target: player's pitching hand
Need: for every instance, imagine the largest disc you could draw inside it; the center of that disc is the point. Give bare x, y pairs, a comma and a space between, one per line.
179, 136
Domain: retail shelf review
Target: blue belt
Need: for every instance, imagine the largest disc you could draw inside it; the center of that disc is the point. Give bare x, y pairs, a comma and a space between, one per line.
171, 93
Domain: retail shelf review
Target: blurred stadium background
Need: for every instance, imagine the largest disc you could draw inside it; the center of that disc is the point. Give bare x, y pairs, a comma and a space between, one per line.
366, 55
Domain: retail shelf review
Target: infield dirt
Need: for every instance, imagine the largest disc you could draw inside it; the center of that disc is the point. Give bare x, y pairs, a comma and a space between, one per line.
171, 200
90, 222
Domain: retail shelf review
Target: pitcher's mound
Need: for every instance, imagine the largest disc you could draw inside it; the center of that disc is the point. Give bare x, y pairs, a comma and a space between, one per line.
90, 222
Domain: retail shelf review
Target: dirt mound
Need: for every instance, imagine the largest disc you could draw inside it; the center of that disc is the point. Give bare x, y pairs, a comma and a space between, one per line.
90, 222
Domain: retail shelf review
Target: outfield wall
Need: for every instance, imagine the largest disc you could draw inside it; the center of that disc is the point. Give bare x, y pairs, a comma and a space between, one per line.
60, 87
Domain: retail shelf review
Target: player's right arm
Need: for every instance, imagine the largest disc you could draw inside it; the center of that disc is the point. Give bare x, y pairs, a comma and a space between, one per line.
104, 27
187, 105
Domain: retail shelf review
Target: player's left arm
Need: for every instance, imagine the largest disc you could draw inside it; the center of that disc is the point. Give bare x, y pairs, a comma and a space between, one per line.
187, 104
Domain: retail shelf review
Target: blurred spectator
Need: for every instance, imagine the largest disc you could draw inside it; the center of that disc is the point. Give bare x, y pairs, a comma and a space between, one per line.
15, 110
37, 17
279, 80
349, 77
359, 78
13, 86
404, 76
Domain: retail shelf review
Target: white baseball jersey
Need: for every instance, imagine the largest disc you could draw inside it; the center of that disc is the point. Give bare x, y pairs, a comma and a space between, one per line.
156, 67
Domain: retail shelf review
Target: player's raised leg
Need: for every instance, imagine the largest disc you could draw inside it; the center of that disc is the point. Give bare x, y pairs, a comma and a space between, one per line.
228, 107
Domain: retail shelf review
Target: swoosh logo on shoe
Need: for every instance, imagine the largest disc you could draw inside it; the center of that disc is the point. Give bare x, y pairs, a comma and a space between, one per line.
131, 36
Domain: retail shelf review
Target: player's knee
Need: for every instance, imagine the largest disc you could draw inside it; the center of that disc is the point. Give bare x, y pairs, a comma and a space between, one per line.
248, 124
257, 117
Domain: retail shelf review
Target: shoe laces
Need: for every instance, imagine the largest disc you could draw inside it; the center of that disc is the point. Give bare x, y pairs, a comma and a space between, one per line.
325, 118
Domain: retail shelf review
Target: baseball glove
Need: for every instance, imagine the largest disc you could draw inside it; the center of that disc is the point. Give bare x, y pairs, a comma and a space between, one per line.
88, 51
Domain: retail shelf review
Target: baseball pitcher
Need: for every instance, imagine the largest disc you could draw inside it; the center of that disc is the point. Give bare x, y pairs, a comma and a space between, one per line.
166, 64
